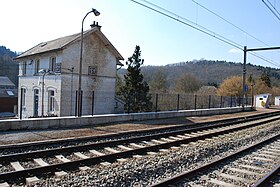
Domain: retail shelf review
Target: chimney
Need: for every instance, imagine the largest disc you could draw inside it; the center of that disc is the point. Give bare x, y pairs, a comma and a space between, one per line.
95, 24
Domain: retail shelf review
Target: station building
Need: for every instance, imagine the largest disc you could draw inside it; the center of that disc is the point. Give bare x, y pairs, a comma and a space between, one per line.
49, 71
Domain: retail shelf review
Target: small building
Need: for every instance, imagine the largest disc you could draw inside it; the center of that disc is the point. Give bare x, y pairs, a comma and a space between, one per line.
49, 74
277, 101
262, 100
8, 95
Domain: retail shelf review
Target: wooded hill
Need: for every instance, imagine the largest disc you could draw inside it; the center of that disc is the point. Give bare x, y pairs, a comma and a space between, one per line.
8, 67
208, 72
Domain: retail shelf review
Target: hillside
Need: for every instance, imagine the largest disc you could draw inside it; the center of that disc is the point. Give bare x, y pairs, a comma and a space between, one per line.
209, 72
8, 67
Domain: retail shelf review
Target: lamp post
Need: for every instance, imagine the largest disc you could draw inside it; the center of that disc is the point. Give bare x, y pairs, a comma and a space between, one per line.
251, 80
252, 99
79, 108
44, 72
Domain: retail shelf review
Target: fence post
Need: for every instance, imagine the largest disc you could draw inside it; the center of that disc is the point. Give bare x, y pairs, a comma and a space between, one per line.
76, 104
195, 102
156, 102
239, 98
178, 102
221, 104
81, 104
209, 101
20, 109
92, 104
230, 101
129, 100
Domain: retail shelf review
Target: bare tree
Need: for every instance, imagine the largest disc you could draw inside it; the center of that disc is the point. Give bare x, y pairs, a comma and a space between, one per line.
187, 84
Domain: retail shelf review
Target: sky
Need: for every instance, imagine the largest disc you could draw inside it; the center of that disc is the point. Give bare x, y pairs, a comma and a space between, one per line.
162, 40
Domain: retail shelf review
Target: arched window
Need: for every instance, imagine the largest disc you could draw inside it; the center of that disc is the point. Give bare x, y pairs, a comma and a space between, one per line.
51, 101
23, 102
52, 64
36, 102
37, 67
24, 64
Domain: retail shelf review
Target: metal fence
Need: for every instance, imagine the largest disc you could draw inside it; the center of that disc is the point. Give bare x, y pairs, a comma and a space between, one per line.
175, 102
103, 102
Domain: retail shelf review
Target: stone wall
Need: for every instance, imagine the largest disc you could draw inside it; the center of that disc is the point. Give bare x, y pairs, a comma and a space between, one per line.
95, 55
75, 122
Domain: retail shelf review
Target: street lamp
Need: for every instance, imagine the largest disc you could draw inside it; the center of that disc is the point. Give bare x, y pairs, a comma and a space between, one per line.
96, 13
252, 82
44, 72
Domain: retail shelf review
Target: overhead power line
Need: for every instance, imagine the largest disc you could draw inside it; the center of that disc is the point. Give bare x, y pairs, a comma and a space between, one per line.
242, 30
189, 23
272, 9
196, 26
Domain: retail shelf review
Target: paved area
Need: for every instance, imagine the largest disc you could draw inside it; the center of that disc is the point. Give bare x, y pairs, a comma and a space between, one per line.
12, 137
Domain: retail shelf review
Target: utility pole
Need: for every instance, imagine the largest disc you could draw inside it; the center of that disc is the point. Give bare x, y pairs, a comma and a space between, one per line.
244, 68
244, 78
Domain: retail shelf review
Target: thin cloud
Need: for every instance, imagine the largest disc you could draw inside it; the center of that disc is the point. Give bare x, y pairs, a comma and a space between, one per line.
234, 50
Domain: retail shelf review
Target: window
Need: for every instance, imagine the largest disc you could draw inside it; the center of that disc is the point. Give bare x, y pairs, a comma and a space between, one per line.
51, 101
24, 64
92, 70
37, 67
52, 64
36, 102
10, 93
23, 90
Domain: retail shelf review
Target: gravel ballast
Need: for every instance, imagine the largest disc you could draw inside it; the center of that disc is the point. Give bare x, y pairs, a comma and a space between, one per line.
153, 168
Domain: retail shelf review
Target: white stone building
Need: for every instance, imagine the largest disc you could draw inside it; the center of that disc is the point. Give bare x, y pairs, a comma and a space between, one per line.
54, 92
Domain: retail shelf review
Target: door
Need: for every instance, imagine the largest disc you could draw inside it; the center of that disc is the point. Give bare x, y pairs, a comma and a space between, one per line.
36, 102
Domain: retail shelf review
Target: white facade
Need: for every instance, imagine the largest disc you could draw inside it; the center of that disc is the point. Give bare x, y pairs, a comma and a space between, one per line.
61, 56
277, 101
262, 100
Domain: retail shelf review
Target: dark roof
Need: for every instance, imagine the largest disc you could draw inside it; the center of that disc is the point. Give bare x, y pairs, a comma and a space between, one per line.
60, 43
5, 81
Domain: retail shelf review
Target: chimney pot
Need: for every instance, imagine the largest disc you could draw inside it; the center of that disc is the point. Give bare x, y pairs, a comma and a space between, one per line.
95, 24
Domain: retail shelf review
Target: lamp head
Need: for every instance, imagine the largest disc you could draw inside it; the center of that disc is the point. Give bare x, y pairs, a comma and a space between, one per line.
42, 71
96, 13
46, 71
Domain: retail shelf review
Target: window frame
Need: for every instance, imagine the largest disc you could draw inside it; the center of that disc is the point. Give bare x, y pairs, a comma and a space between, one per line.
23, 102
37, 67
51, 100
52, 64
24, 68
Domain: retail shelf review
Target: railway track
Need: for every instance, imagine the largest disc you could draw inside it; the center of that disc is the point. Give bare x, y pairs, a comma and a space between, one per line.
270, 179
255, 165
16, 167
50, 144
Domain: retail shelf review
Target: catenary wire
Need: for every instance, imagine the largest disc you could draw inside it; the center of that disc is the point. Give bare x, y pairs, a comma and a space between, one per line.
271, 10
273, 7
198, 28
242, 30
190, 24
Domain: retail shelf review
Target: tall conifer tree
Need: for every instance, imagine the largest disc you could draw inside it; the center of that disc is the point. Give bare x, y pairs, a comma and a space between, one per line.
135, 90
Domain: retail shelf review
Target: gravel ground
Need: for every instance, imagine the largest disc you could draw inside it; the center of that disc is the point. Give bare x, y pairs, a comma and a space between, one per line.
11, 137
260, 168
153, 168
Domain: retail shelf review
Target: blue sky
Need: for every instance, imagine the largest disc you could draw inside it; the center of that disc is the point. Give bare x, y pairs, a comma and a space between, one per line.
126, 24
